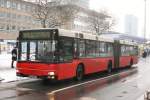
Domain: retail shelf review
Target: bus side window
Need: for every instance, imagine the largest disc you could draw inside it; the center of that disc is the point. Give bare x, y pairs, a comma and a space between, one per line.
61, 51
103, 49
90, 48
75, 51
123, 50
66, 49
110, 50
82, 48
23, 51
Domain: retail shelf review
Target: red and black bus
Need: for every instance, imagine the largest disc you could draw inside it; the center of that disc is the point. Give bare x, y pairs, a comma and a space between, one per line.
61, 54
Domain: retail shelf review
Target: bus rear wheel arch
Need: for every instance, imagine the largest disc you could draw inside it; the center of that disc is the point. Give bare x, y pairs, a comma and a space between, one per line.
80, 72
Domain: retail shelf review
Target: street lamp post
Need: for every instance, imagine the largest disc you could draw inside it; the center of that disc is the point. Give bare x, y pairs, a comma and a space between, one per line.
145, 20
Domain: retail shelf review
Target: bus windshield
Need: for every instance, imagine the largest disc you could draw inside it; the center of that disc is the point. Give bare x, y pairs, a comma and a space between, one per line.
38, 46
38, 51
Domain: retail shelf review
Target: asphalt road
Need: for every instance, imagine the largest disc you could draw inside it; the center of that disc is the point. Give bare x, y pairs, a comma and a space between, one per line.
126, 84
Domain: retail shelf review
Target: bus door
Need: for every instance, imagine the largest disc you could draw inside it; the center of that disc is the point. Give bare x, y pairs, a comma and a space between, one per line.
66, 66
33, 50
116, 54
125, 55
23, 54
91, 62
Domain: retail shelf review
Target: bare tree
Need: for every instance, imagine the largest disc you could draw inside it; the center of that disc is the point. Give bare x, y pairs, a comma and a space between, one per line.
61, 15
101, 21
52, 14
41, 12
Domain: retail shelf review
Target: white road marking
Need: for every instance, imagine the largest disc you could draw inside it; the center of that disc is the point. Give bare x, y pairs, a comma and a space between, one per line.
86, 98
51, 93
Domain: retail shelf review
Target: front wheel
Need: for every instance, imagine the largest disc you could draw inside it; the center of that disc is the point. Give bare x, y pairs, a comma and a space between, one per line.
79, 73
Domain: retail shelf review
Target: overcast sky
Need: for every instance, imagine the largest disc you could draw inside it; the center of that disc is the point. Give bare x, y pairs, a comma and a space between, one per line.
120, 8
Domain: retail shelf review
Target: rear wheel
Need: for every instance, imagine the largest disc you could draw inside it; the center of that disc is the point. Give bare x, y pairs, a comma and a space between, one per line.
79, 73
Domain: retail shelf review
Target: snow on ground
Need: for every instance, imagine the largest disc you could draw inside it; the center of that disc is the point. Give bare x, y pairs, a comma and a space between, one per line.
8, 75
5, 61
6, 72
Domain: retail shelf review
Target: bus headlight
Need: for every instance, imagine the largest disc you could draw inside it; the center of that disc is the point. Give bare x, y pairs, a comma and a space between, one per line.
17, 71
51, 73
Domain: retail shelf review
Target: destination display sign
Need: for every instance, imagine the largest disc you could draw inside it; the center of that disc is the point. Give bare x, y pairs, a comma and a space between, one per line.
36, 35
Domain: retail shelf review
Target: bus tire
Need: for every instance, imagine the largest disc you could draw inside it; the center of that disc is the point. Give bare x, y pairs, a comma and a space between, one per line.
109, 68
79, 72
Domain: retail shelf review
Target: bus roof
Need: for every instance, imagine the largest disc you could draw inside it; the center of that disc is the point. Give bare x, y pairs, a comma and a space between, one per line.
75, 34
128, 42
82, 35
38, 29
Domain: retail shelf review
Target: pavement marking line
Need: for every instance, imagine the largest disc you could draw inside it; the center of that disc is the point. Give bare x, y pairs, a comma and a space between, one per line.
86, 98
51, 93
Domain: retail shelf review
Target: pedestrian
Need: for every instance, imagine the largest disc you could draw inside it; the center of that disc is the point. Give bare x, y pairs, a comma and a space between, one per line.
14, 56
144, 55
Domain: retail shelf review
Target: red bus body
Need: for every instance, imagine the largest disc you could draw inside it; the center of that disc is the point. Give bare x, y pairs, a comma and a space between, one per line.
125, 60
63, 70
67, 70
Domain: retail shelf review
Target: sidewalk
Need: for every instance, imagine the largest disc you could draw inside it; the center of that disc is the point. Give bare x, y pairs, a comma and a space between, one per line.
7, 74
5, 61
146, 62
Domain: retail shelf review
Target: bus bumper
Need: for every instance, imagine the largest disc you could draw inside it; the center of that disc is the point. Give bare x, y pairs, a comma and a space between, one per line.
51, 75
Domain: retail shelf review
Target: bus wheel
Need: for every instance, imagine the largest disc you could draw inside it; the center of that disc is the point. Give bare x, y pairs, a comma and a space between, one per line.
109, 69
79, 72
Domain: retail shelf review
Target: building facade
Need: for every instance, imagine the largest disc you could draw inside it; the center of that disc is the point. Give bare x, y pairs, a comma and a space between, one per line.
131, 25
80, 3
82, 19
14, 16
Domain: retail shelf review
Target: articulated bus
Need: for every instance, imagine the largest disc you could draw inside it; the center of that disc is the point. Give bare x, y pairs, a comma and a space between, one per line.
58, 54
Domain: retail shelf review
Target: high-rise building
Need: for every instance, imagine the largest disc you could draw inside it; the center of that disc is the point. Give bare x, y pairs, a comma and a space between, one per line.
131, 25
